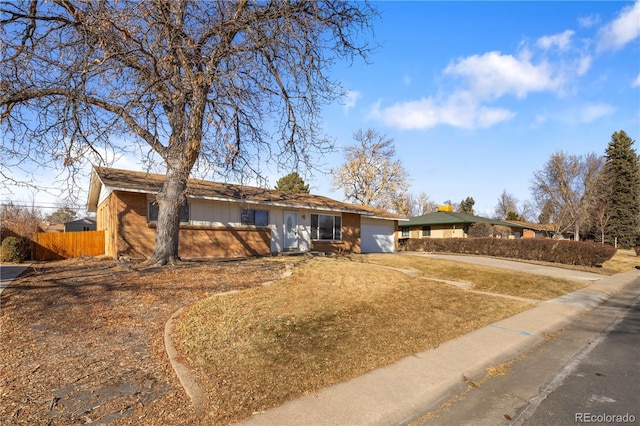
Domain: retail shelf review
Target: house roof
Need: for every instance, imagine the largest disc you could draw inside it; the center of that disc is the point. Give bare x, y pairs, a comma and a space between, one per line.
454, 218
149, 183
533, 226
84, 221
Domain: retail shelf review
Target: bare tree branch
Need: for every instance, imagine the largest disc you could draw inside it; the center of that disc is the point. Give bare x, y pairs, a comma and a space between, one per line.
214, 86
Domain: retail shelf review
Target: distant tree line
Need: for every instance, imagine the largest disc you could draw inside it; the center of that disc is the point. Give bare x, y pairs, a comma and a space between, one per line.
589, 196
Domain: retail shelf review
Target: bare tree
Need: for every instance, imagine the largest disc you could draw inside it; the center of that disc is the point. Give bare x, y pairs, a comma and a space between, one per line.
370, 175
201, 85
410, 204
19, 221
564, 187
599, 210
507, 203
424, 205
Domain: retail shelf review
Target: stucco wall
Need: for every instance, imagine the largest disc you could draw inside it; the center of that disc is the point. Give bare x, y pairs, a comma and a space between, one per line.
439, 231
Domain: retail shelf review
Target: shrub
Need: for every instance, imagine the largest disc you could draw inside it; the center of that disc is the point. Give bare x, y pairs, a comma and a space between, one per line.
560, 251
12, 250
480, 230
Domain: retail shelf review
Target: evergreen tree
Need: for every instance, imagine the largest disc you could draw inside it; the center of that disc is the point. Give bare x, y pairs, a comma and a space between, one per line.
62, 215
622, 173
466, 206
292, 183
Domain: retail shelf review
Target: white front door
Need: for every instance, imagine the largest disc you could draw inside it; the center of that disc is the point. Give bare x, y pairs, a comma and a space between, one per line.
290, 230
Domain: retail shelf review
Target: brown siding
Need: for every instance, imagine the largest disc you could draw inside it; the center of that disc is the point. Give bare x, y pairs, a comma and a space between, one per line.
350, 237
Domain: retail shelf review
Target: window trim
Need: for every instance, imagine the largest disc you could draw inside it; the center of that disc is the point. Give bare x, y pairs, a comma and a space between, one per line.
405, 231
316, 229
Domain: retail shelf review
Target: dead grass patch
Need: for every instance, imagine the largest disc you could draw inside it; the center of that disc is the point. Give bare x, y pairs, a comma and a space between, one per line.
482, 278
332, 320
622, 261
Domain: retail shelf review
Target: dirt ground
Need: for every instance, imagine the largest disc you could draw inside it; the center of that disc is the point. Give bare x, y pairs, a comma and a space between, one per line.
81, 340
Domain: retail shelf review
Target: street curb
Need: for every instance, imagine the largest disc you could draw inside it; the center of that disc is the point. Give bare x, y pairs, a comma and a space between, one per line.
186, 377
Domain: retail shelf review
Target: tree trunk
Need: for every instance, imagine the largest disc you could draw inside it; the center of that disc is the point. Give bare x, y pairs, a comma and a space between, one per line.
171, 200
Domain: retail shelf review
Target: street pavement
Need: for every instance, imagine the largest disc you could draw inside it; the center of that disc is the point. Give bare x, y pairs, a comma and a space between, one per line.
587, 369
405, 391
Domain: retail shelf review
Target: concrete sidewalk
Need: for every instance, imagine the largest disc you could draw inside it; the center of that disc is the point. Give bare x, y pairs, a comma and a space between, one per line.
404, 391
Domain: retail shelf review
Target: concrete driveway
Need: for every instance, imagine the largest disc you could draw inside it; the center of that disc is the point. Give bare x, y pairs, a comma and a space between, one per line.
9, 273
513, 265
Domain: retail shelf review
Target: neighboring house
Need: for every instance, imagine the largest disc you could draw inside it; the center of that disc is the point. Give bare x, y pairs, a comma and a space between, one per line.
224, 220
535, 230
48, 227
448, 224
84, 224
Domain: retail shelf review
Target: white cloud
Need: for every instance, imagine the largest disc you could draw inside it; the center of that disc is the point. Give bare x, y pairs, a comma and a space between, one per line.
624, 29
589, 21
541, 118
459, 110
351, 98
584, 63
592, 112
636, 82
493, 75
552, 64
562, 41
488, 117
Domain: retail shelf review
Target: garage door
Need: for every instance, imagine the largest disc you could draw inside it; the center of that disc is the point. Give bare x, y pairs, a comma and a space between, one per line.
377, 236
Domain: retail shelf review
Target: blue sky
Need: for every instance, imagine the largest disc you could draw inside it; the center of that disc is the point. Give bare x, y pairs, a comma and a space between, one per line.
478, 95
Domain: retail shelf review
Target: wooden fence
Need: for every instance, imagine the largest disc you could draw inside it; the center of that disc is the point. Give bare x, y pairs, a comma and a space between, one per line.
63, 245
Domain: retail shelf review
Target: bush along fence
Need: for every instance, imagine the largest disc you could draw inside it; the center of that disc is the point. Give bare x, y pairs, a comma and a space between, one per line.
545, 250
63, 245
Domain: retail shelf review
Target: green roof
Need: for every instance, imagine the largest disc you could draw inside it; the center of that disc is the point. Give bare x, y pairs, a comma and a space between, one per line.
452, 218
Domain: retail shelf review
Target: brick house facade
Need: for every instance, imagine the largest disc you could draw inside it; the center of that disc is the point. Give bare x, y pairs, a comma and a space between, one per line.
231, 221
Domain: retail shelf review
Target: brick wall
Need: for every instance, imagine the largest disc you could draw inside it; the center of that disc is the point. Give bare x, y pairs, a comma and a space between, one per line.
350, 237
198, 242
123, 216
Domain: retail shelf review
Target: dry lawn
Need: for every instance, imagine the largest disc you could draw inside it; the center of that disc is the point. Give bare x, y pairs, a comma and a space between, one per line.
622, 261
332, 320
482, 278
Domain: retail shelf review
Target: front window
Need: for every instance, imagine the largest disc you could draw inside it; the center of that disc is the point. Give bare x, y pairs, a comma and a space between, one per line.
426, 231
326, 227
405, 232
153, 210
254, 217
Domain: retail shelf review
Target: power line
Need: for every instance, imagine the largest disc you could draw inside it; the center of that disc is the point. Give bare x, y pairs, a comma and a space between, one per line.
37, 205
